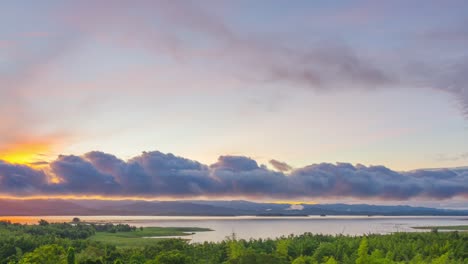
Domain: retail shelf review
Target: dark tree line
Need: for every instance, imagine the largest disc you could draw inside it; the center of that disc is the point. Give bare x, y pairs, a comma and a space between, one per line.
113, 228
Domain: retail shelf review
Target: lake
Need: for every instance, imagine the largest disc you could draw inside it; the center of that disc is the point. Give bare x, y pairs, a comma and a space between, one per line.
268, 227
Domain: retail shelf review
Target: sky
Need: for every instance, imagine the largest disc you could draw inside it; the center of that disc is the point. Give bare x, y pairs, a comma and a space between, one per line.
265, 100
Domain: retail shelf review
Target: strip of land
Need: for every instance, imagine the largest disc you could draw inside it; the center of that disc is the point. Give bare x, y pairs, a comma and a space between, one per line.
451, 228
144, 237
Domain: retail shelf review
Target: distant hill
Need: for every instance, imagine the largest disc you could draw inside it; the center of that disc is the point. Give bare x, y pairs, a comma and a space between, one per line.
42, 207
11, 207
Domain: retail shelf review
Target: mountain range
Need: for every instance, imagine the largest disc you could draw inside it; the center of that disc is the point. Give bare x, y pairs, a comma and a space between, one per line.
38, 207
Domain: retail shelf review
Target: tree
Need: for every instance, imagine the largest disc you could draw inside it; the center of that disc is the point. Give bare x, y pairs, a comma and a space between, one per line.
282, 248
43, 222
326, 249
300, 260
303, 260
444, 259
417, 259
236, 248
71, 256
19, 252
76, 220
331, 260
45, 255
172, 257
363, 249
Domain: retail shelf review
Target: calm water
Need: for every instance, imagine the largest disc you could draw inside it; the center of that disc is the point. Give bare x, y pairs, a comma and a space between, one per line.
270, 227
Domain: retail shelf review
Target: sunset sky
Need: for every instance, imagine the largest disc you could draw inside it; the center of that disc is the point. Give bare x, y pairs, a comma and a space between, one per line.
268, 100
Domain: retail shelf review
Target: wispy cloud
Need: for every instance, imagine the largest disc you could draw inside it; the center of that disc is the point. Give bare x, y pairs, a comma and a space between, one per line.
462, 156
324, 64
192, 33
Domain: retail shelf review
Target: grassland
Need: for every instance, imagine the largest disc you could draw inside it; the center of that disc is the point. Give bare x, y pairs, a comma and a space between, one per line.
140, 238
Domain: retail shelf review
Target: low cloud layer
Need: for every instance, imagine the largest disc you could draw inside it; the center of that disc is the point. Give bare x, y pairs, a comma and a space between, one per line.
155, 174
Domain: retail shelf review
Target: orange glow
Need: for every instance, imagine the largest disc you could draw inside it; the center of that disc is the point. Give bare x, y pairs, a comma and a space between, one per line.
54, 179
19, 219
27, 152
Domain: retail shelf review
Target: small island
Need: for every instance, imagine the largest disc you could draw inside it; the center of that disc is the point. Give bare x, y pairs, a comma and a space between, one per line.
281, 215
124, 235
144, 236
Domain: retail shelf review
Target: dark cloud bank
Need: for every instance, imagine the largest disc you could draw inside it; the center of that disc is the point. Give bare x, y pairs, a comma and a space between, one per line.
155, 174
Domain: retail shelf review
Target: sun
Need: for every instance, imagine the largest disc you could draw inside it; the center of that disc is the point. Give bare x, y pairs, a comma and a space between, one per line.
19, 157
25, 152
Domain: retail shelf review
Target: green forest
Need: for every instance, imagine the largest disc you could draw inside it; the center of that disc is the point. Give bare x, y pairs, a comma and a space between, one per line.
76, 243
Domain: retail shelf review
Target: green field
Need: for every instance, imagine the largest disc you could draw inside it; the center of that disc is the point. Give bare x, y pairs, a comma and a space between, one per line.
138, 238
452, 228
